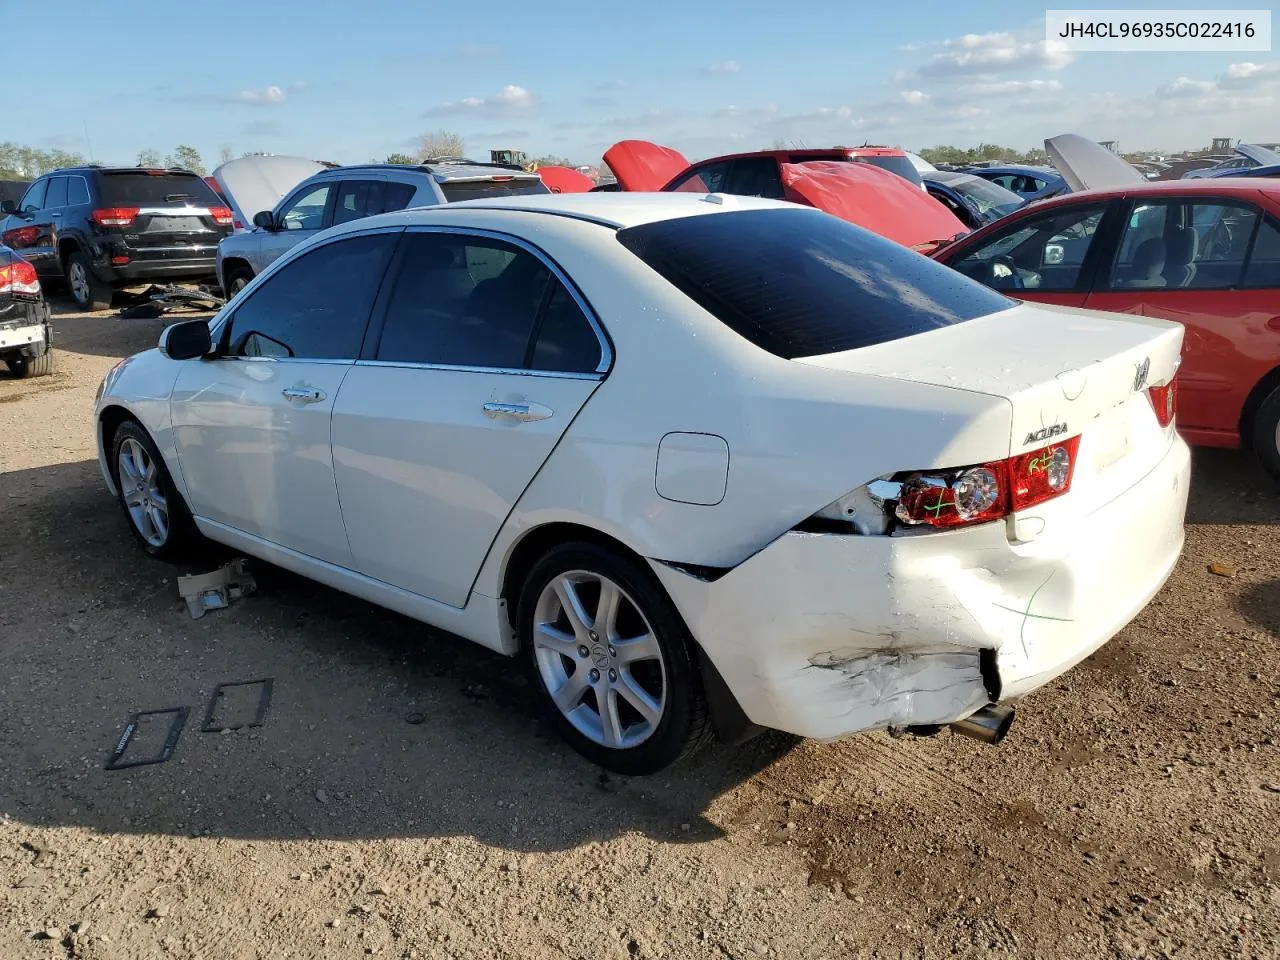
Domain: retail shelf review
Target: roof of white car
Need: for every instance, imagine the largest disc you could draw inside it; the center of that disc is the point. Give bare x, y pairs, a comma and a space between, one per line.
612, 209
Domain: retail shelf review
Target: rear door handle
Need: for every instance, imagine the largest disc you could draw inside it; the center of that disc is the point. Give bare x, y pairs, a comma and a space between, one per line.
304, 394
517, 411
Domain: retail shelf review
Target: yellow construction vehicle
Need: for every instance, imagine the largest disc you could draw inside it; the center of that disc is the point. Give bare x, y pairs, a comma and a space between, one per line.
515, 159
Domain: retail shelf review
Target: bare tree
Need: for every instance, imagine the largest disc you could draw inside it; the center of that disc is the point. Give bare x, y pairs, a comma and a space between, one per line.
225, 154
440, 143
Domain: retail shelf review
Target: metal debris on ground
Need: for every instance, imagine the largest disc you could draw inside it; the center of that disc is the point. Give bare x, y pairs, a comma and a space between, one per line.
158, 300
117, 760
216, 724
216, 590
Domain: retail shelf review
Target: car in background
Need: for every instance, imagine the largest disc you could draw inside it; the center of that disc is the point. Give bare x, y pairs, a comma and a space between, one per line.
1204, 252
99, 228
922, 165
342, 194
252, 184
452, 412
26, 334
1030, 183
975, 202
1248, 156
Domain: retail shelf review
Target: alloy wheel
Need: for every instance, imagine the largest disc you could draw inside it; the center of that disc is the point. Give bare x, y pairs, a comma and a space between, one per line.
140, 489
599, 659
79, 280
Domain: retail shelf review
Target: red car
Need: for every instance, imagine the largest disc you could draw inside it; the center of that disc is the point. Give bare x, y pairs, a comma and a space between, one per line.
847, 182
1205, 253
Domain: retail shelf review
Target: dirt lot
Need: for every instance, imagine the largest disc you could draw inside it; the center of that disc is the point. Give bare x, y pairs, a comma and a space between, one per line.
1131, 812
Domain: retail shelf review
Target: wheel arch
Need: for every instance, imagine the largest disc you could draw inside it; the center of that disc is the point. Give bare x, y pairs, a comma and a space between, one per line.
109, 419
67, 245
1261, 390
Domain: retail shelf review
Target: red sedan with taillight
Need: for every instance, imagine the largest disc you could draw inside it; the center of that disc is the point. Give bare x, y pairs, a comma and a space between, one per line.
1203, 253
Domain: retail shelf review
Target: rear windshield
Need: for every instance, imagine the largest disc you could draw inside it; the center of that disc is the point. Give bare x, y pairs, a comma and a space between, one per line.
987, 196
801, 283
455, 191
899, 165
133, 188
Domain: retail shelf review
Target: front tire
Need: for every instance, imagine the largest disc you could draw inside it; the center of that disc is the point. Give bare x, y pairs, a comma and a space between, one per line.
237, 281
1266, 433
613, 658
155, 511
88, 292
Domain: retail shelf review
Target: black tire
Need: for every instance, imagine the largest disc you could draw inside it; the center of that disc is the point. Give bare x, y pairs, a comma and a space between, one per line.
88, 292
26, 367
182, 539
1266, 433
237, 280
684, 726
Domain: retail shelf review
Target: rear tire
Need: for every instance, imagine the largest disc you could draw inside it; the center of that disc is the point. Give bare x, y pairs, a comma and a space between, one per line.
622, 687
26, 367
1266, 433
88, 292
156, 513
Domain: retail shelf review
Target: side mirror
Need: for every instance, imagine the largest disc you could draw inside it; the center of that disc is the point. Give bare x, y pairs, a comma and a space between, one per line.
265, 220
188, 340
8, 206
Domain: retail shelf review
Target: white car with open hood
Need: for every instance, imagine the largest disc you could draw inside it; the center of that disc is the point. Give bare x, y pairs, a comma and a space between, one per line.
708, 462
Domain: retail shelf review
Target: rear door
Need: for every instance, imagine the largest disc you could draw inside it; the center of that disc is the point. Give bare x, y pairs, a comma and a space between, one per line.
1049, 257
480, 356
1211, 264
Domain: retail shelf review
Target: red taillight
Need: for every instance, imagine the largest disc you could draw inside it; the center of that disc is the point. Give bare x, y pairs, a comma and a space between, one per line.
21, 237
114, 216
221, 216
989, 491
501, 179
19, 277
119, 260
1164, 400
238, 225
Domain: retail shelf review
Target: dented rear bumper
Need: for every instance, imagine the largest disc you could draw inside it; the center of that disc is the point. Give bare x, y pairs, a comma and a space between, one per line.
824, 635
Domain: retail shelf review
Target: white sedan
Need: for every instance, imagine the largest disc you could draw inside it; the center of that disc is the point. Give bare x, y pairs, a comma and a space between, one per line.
711, 463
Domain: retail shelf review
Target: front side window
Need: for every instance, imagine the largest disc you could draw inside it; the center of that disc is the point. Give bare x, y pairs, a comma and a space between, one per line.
316, 307
306, 212
33, 199
708, 178
1040, 253
799, 283
1183, 244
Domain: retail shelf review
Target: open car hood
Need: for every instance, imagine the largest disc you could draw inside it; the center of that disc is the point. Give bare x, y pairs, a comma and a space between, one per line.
1259, 155
874, 199
643, 166
565, 180
254, 184
1086, 165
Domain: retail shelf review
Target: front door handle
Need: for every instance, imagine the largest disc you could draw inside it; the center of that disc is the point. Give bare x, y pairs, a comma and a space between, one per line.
304, 394
517, 411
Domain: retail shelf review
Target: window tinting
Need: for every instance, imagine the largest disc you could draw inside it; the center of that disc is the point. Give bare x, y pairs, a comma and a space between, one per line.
57, 195
306, 212
463, 301
357, 199
755, 177
902, 166
1040, 253
137, 188
708, 178
33, 199
459, 190
77, 190
1264, 262
566, 342
396, 196
317, 306
800, 283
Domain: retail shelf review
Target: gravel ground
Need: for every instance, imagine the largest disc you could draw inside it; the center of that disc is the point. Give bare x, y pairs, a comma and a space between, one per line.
1131, 812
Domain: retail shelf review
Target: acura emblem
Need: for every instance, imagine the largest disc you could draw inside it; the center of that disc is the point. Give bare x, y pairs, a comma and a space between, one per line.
1140, 377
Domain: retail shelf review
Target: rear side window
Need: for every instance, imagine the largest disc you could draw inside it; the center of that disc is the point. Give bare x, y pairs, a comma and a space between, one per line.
899, 165
77, 190
397, 196
136, 188
317, 306
57, 195
800, 283
1264, 262
458, 190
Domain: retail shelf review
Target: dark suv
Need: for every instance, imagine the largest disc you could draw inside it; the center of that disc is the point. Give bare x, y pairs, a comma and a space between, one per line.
105, 227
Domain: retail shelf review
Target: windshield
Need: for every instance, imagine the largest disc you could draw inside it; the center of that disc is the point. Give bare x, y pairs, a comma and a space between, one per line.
991, 200
133, 188
899, 165
455, 191
801, 283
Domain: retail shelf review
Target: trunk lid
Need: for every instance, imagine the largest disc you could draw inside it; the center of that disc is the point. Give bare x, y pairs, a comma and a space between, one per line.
1065, 372
173, 209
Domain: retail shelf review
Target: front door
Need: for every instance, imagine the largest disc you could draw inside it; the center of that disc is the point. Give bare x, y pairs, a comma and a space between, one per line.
302, 215
481, 360
30, 233
252, 427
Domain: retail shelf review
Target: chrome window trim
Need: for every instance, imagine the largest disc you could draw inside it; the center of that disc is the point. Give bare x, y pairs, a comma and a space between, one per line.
465, 368
326, 362
602, 336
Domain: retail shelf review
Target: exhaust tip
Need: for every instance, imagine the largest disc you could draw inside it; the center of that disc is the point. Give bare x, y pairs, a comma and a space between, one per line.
990, 724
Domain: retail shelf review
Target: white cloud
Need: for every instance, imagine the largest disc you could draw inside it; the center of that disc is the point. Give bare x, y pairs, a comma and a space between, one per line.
511, 99
1186, 87
1241, 75
1016, 86
265, 95
725, 66
914, 97
983, 53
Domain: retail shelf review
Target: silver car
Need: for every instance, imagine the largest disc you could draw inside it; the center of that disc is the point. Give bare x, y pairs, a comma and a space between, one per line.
343, 194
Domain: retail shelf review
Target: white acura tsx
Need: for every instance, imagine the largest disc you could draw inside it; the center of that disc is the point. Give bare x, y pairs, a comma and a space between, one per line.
711, 463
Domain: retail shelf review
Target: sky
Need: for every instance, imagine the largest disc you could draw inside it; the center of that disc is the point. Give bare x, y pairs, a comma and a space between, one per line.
352, 82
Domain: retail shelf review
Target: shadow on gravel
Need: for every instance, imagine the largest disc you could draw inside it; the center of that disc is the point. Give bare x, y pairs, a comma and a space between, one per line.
105, 334
91, 631
1260, 604
1230, 487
